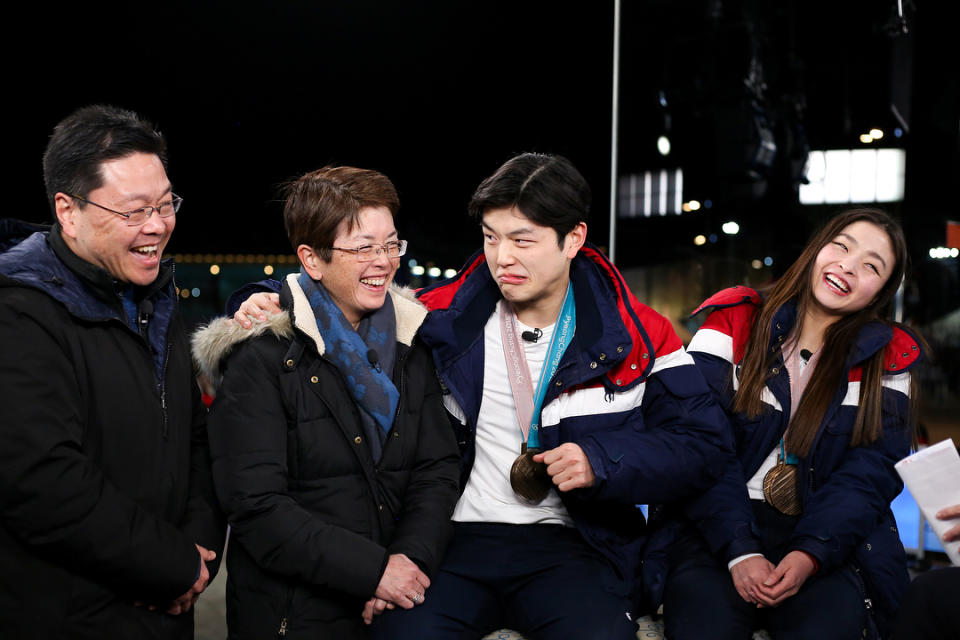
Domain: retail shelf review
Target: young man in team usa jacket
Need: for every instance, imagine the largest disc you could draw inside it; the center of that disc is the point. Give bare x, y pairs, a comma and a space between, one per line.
572, 403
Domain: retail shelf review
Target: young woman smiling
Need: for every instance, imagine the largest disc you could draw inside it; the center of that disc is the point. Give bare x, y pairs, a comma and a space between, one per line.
798, 536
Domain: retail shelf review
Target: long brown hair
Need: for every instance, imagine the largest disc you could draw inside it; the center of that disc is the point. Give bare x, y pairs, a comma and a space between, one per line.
838, 340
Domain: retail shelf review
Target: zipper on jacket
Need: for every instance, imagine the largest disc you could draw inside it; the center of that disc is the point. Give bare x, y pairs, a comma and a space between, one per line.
869, 622
282, 630
162, 382
163, 391
368, 473
166, 359
400, 365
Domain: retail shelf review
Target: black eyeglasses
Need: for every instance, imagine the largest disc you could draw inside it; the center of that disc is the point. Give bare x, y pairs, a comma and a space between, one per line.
137, 217
369, 252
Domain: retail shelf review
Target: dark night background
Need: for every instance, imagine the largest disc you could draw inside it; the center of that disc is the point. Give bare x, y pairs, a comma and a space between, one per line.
438, 94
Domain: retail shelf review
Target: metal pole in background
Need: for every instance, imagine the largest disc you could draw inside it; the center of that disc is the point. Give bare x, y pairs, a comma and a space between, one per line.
614, 131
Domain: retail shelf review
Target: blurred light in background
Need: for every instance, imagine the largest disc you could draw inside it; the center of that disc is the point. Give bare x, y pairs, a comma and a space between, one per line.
859, 175
651, 193
731, 228
940, 253
663, 145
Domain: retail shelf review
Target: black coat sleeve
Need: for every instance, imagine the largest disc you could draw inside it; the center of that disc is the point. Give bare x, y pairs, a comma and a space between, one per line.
203, 520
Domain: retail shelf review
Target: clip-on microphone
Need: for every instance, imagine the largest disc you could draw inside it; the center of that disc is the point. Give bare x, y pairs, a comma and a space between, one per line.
146, 312
531, 336
374, 360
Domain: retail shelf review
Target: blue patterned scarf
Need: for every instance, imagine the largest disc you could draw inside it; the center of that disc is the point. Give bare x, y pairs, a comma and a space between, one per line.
371, 386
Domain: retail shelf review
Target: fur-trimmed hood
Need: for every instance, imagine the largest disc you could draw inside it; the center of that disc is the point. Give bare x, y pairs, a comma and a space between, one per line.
212, 343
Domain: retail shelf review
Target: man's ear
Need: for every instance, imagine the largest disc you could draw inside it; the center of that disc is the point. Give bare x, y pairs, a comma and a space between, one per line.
574, 240
67, 209
311, 261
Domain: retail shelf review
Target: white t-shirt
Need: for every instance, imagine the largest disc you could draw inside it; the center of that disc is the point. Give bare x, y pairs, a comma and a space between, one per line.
488, 496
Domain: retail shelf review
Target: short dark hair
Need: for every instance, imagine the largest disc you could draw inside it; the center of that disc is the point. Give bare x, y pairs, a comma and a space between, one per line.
546, 188
87, 138
319, 201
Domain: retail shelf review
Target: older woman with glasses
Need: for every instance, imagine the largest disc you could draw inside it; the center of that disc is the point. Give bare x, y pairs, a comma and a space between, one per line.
332, 454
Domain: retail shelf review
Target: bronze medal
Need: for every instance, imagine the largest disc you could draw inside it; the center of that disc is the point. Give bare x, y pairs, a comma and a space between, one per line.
529, 479
780, 488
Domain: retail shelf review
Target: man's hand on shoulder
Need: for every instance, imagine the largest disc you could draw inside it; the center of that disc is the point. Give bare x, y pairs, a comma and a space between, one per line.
256, 307
568, 466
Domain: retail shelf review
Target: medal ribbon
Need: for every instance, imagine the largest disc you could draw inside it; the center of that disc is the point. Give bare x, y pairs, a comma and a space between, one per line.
788, 459
526, 403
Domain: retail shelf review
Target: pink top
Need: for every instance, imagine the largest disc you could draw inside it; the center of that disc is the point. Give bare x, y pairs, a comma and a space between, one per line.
799, 372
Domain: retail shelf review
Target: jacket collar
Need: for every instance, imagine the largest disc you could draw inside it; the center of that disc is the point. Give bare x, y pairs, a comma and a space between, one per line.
98, 281
872, 337
13, 231
44, 261
609, 337
213, 343
409, 313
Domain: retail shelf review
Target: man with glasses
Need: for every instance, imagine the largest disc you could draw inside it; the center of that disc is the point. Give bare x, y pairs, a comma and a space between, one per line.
108, 523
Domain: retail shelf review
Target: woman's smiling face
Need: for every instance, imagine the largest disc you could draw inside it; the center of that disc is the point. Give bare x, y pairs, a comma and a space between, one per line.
359, 288
852, 268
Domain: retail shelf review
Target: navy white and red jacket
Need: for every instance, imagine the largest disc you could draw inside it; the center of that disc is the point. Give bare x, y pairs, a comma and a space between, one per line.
845, 491
625, 391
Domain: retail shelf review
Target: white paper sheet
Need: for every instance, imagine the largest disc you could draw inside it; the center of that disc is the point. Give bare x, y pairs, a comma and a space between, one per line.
933, 477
